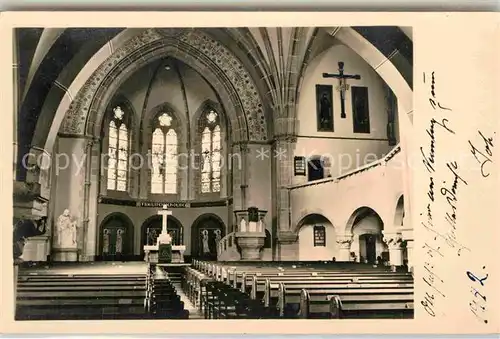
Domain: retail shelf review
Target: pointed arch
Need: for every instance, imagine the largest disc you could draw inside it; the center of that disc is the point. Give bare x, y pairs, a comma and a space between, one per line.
165, 152
117, 133
209, 131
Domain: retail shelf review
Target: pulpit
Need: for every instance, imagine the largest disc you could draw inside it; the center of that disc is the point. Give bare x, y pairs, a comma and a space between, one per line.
251, 233
163, 252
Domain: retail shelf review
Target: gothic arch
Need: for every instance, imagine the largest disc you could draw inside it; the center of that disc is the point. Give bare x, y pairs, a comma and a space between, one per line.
131, 123
180, 127
118, 218
121, 100
359, 214
72, 86
299, 221
212, 221
226, 74
313, 218
196, 144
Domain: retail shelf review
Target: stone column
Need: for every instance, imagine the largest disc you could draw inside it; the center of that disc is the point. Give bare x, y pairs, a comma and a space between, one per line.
92, 182
250, 236
283, 152
237, 161
344, 241
283, 149
394, 242
407, 235
409, 252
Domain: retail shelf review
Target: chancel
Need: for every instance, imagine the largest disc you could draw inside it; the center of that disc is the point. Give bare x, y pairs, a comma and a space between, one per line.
196, 181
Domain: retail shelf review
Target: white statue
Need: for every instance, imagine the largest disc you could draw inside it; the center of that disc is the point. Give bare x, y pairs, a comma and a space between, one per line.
66, 231
243, 225
204, 238
105, 241
218, 236
119, 240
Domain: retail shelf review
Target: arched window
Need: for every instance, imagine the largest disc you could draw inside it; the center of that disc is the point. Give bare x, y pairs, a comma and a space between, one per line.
164, 156
210, 152
118, 151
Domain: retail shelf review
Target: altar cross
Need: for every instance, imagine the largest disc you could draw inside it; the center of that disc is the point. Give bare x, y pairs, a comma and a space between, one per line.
343, 87
164, 212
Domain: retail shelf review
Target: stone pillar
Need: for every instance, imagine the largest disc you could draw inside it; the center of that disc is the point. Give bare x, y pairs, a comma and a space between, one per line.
90, 227
282, 230
250, 235
394, 242
407, 235
409, 252
344, 241
284, 150
288, 248
237, 162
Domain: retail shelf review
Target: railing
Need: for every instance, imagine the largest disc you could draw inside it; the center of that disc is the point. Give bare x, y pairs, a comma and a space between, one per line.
361, 169
226, 243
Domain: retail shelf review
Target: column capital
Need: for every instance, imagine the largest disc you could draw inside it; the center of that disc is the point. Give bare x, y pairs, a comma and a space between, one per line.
345, 240
393, 239
285, 138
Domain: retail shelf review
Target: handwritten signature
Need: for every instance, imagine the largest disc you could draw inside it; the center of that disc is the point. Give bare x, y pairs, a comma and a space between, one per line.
478, 304
483, 156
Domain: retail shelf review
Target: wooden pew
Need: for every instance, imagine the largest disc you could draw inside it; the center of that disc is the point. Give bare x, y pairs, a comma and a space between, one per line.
59, 297
309, 299
192, 285
393, 304
309, 290
235, 278
223, 302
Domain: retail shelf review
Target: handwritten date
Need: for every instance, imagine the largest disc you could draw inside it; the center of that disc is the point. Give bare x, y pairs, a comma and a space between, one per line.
478, 303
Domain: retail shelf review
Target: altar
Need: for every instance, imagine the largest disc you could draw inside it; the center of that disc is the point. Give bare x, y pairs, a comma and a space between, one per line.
151, 253
163, 251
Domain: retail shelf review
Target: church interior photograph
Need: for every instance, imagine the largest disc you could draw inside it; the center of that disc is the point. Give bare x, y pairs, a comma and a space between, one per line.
212, 173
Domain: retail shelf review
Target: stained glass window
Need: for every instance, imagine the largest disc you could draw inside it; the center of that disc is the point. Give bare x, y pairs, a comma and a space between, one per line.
118, 151
164, 156
211, 152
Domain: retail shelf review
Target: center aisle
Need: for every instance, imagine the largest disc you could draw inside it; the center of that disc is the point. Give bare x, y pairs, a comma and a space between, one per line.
194, 312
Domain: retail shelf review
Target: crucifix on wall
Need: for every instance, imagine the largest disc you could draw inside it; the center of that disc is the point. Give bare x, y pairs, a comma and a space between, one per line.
342, 87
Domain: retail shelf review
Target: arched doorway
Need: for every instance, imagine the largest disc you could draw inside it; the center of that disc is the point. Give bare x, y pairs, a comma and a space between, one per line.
116, 238
368, 247
151, 228
366, 228
206, 233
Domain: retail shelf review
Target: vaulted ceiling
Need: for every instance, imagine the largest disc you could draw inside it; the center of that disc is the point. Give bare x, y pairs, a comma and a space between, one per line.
50, 60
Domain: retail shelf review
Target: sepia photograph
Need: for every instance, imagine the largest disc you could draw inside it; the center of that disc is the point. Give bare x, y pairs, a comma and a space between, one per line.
212, 173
